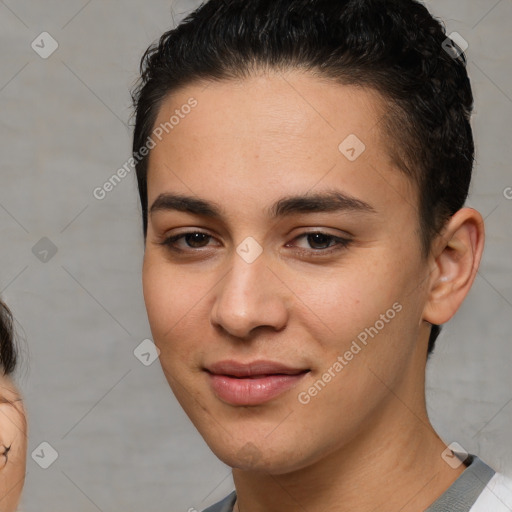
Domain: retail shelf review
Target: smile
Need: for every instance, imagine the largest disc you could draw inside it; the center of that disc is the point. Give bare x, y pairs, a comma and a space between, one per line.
252, 383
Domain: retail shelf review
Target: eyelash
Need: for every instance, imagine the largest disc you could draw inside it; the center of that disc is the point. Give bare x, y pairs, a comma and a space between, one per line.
341, 243
5, 452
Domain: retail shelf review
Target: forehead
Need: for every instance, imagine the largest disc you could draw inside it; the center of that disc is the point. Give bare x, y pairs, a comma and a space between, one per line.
272, 133
278, 108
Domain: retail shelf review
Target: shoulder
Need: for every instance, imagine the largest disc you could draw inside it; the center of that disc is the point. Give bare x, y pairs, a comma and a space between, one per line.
226, 505
496, 496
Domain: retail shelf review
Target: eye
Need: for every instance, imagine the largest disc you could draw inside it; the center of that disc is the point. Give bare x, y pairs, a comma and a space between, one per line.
323, 243
320, 243
192, 240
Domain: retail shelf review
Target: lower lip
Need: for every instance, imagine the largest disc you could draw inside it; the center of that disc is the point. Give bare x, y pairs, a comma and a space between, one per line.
252, 391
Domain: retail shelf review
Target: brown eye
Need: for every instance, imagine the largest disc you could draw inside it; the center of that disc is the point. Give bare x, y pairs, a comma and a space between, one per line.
319, 239
196, 239
320, 243
187, 241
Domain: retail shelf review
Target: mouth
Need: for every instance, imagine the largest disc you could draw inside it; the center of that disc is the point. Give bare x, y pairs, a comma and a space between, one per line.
252, 383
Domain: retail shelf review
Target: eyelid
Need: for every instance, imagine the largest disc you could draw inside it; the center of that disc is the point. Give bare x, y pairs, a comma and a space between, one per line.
341, 242
168, 240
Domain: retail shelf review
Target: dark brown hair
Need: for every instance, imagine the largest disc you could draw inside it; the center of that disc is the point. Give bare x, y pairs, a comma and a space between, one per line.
8, 353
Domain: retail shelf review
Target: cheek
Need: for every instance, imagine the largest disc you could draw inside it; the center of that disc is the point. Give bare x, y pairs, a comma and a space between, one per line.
13, 473
340, 303
365, 311
173, 299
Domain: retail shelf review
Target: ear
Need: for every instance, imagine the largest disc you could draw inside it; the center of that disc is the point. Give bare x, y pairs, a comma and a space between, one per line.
13, 445
454, 264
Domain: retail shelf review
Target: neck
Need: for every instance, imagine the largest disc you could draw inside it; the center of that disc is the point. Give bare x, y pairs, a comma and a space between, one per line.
394, 464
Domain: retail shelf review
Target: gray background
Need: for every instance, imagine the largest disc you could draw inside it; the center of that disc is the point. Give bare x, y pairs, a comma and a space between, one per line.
123, 442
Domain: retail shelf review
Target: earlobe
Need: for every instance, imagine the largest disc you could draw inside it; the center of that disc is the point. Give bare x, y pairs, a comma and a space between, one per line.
457, 258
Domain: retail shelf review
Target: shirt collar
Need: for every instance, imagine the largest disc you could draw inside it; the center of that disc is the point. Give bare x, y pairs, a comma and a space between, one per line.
464, 492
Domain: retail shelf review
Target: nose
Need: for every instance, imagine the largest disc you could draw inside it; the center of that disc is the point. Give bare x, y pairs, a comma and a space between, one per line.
251, 295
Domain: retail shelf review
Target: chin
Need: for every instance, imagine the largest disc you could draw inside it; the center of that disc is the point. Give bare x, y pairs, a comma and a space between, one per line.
259, 455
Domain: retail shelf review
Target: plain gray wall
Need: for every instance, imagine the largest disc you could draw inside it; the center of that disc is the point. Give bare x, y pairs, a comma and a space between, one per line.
123, 443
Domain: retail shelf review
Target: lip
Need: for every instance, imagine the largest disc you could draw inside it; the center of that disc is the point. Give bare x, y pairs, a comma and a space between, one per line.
252, 383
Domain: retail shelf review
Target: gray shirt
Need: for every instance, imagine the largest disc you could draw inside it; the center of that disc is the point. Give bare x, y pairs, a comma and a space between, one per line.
459, 497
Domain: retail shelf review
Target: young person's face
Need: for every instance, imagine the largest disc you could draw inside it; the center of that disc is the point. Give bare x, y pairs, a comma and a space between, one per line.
13, 445
302, 302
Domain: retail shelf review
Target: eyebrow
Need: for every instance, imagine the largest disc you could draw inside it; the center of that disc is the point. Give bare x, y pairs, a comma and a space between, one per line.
328, 202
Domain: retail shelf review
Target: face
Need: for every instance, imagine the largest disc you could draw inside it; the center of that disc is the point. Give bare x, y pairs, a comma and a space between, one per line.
284, 286
13, 445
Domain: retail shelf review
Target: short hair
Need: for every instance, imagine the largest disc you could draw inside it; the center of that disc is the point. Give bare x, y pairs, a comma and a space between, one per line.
395, 47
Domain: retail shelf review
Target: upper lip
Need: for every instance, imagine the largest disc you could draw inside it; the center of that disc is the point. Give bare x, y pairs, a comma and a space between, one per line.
250, 369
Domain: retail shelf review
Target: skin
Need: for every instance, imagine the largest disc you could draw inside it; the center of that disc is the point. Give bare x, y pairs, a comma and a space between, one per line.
13, 434
364, 442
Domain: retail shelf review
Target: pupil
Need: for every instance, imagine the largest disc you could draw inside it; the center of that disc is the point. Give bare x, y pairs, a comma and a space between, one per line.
195, 239
319, 239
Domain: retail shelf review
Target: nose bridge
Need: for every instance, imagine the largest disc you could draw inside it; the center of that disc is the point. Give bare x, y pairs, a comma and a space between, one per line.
250, 295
